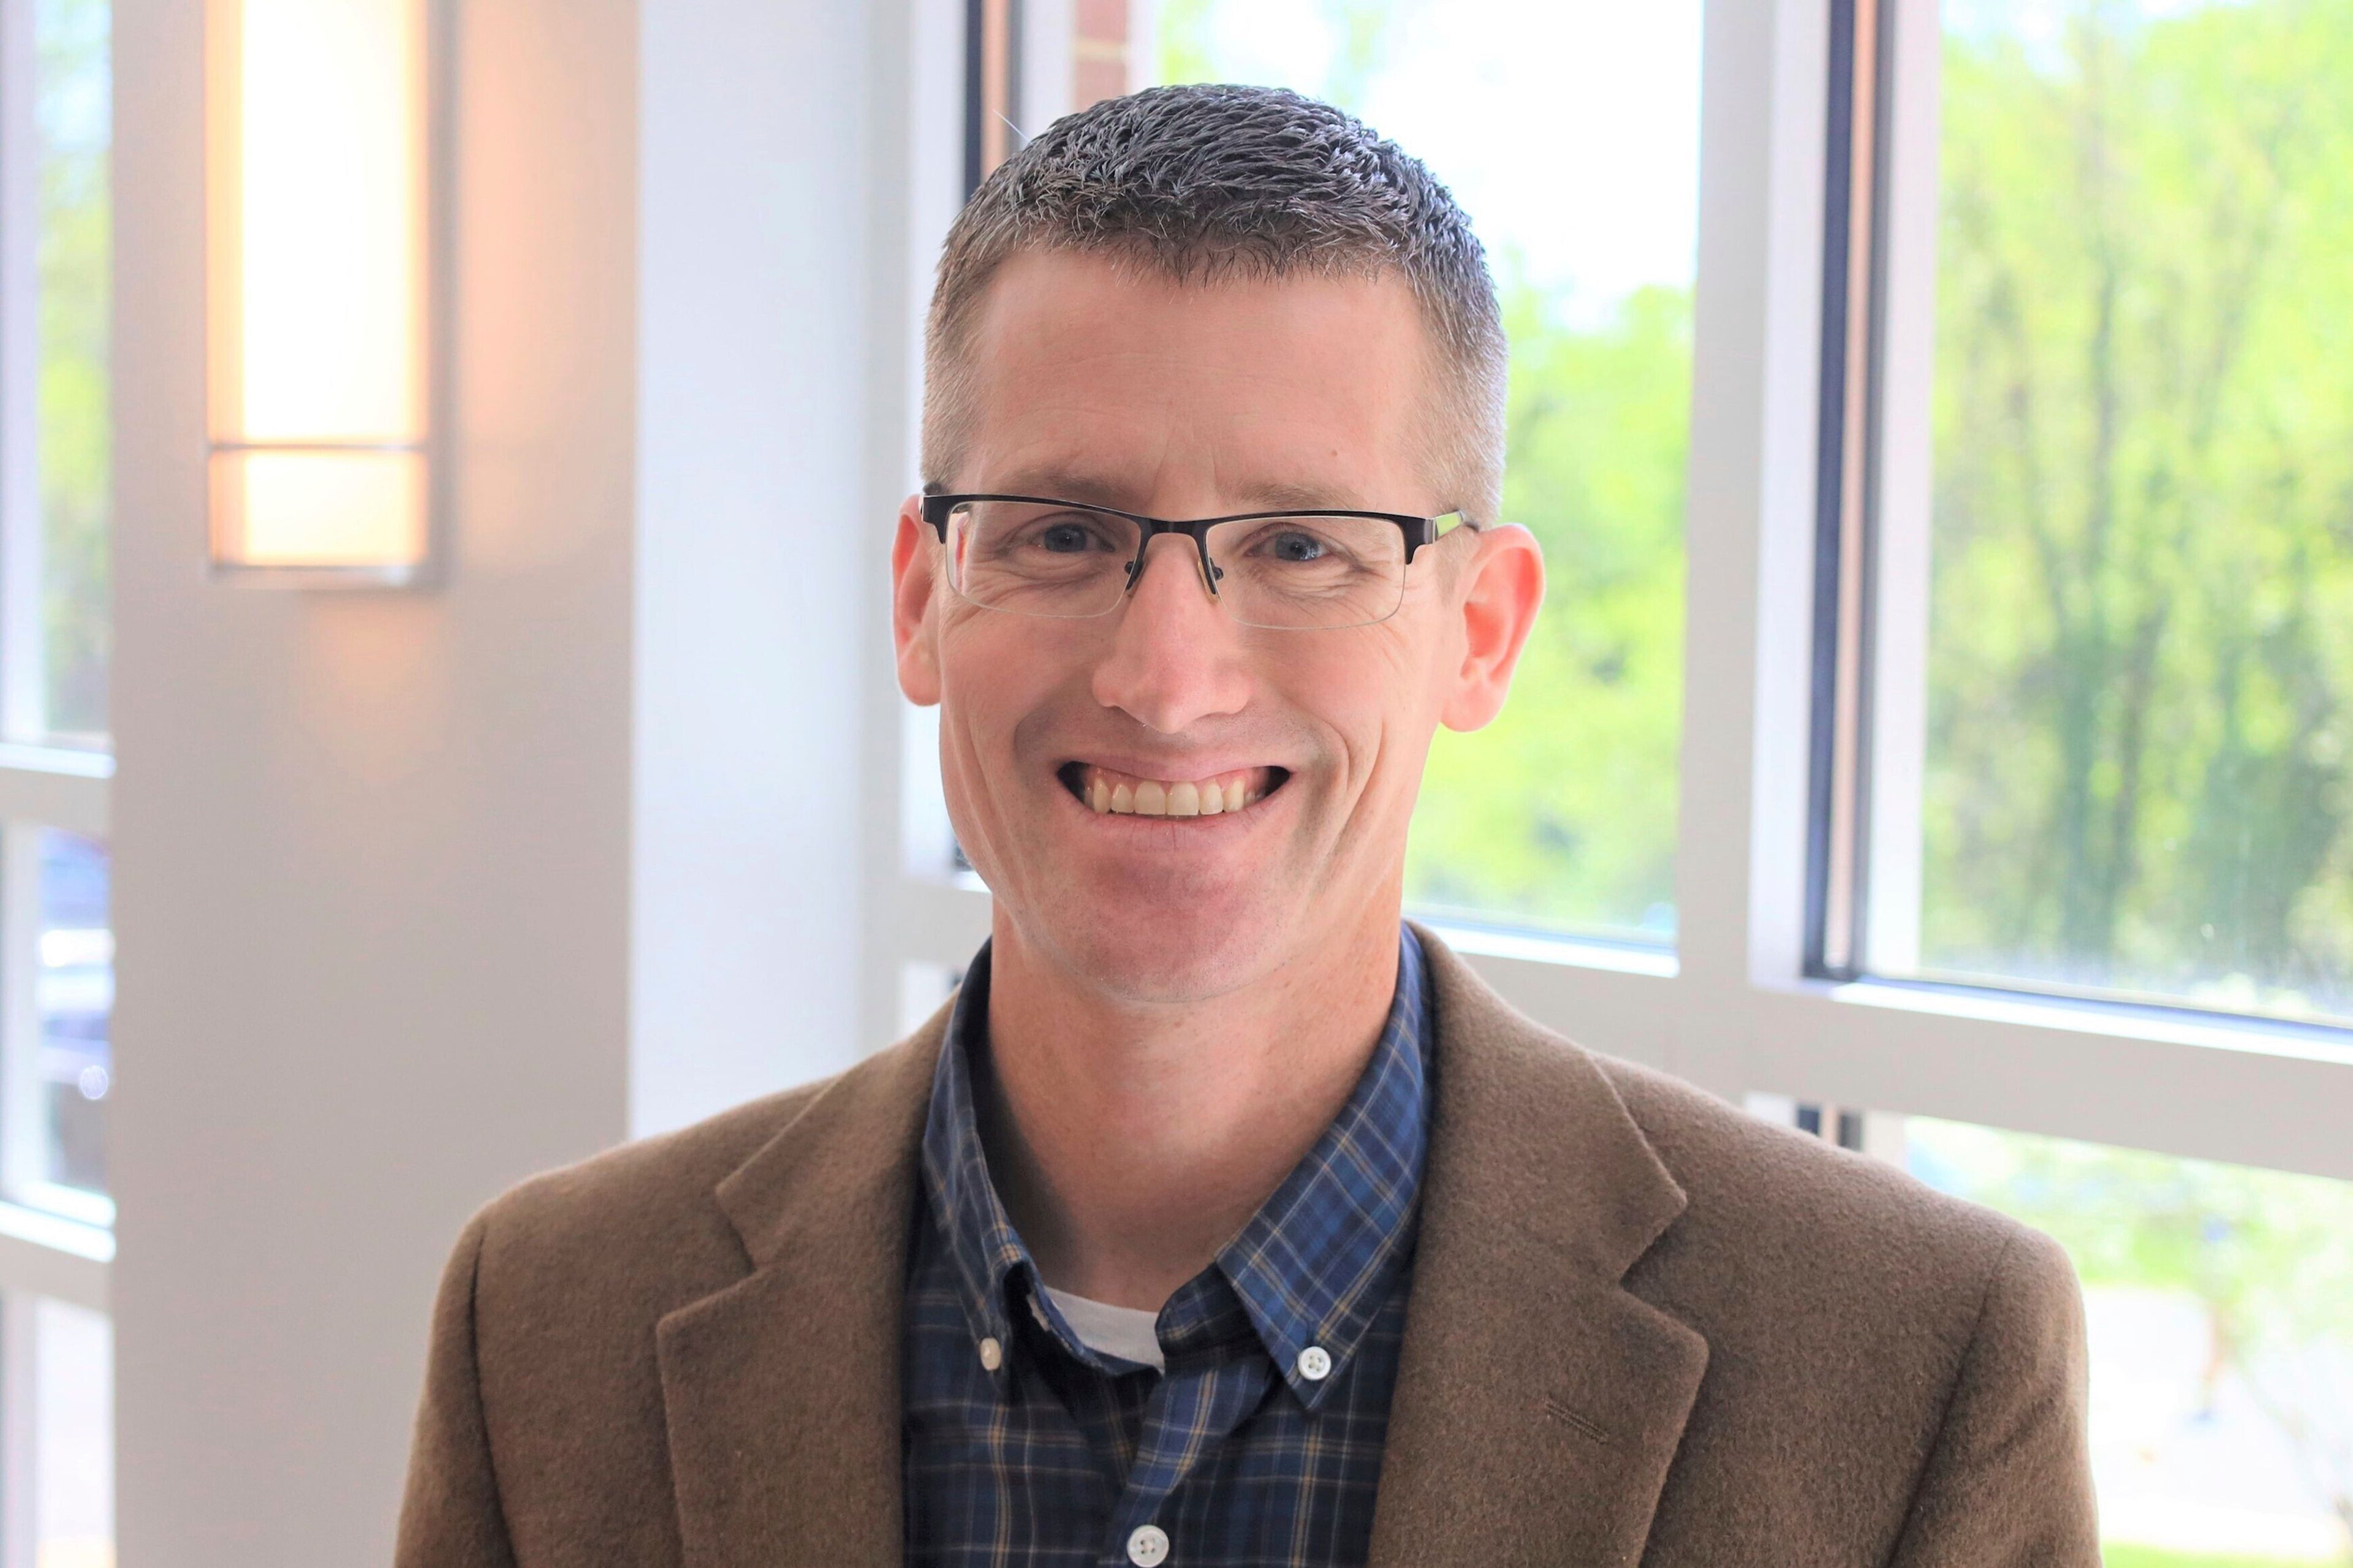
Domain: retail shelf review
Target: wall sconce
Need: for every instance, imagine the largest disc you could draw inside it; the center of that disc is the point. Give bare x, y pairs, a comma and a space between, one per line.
320, 274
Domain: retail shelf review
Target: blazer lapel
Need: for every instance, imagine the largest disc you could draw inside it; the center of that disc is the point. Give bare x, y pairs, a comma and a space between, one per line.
782, 1391
1538, 1402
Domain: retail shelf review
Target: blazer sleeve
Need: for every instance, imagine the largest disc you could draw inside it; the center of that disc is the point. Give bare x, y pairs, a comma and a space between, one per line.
2008, 1483
450, 1516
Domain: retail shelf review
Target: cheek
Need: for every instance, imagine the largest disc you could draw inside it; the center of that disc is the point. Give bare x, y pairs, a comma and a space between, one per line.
980, 691
996, 672
1371, 693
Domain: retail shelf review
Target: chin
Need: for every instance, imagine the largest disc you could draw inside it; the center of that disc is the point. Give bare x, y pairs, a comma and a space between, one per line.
1173, 952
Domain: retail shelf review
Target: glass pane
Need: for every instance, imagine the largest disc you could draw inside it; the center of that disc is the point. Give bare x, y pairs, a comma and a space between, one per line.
2139, 756
76, 274
1562, 814
73, 1422
2222, 1342
76, 991
55, 258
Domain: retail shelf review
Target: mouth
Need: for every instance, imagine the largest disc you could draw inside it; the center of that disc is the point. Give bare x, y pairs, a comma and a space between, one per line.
1108, 792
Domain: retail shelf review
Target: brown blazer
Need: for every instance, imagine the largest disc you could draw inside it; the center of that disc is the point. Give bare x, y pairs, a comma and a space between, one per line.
1644, 1327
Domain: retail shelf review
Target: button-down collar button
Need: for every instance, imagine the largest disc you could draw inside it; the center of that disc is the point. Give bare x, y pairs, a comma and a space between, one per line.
1147, 1546
992, 1355
1315, 1363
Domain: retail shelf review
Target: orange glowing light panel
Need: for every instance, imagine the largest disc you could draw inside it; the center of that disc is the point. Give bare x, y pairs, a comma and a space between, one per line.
318, 277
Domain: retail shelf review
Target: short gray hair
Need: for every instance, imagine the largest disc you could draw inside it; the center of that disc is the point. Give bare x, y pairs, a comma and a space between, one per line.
1200, 184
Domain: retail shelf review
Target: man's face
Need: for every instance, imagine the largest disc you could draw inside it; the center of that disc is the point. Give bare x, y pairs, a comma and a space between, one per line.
1092, 382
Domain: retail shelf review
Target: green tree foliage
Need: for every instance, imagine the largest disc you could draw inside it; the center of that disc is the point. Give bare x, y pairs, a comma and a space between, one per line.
2142, 649
1563, 811
1183, 41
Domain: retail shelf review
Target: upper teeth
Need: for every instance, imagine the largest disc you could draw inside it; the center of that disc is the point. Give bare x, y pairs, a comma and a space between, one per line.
1163, 797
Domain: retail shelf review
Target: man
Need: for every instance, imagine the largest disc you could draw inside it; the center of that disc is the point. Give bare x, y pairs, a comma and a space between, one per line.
1221, 1219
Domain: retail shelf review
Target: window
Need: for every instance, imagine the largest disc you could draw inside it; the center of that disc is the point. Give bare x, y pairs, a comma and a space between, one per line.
1561, 814
2222, 1350
55, 941
2116, 574
55, 948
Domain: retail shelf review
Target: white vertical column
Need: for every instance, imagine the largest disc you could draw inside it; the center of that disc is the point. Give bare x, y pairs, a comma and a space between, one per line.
1789, 408
1906, 499
918, 154
762, 535
1740, 855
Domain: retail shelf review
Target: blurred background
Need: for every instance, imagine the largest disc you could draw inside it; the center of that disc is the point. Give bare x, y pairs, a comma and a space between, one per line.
1939, 420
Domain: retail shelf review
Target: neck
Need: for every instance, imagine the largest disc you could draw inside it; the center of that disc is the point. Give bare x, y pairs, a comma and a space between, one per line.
1131, 1141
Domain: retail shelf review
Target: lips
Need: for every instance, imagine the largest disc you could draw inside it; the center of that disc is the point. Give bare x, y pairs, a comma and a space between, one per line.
1109, 791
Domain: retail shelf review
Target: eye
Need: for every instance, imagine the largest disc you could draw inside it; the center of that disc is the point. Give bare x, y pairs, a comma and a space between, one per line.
1066, 538
1062, 533
1293, 545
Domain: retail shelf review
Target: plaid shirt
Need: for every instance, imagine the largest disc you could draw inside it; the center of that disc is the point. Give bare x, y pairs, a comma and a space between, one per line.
1237, 1456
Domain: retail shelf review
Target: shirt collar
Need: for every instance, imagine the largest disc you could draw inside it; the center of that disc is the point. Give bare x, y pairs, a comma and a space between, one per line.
1316, 1263
982, 1245
1312, 1267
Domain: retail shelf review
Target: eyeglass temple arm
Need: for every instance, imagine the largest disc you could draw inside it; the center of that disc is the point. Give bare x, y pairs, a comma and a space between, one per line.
1421, 530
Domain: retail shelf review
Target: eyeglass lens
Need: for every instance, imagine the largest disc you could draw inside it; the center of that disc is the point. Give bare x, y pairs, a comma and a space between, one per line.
1067, 563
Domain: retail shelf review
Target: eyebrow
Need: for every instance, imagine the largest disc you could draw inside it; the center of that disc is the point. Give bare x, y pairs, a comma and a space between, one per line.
1077, 485
1280, 493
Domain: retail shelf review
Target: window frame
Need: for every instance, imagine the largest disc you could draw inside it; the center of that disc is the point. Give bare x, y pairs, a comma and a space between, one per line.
45, 1251
42, 1251
1736, 1006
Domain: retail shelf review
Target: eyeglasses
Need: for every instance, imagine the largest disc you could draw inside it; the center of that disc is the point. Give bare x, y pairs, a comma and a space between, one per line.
1283, 570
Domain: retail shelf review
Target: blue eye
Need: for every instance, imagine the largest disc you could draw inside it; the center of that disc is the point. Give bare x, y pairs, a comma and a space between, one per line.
1066, 538
1296, 546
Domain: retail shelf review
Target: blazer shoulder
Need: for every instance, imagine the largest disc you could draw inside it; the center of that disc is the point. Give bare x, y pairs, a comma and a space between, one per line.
1858, 1317
644, 1210
1744, 1177
696, 1156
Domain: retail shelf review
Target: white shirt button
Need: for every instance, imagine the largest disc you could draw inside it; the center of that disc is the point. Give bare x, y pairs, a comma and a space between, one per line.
1147, 1546
1315, 1363
992, 1355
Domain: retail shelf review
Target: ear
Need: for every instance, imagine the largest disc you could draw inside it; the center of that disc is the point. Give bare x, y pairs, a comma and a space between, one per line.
914, 574
1504, 585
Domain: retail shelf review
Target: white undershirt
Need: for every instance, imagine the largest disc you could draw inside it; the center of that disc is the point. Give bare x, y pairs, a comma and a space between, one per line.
1129, 1333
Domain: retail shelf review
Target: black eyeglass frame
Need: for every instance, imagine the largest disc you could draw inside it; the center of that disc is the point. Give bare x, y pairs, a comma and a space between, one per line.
1418, 530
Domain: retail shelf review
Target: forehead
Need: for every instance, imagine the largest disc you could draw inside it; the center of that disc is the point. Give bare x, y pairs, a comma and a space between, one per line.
1089, 370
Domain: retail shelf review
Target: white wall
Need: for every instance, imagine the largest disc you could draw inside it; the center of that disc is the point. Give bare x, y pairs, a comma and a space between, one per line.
418, 893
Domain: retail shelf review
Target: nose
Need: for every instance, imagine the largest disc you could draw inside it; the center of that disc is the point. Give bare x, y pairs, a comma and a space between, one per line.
1175, 658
